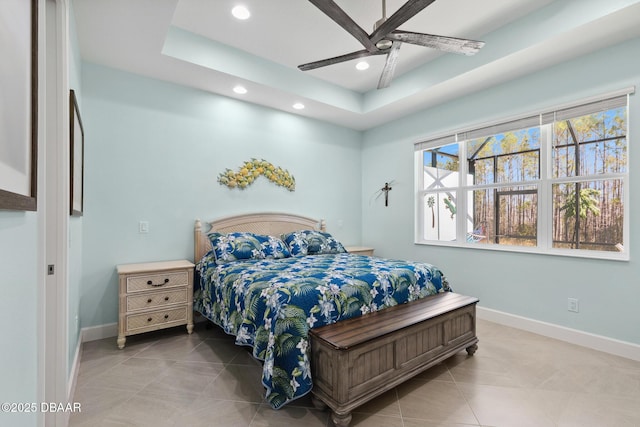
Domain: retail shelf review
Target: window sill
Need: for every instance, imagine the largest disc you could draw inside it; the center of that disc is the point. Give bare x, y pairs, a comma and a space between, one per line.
603, 255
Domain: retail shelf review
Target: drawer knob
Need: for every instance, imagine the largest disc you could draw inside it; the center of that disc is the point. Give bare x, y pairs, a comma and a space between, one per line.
150, 282
149, 319
149, 300
166, 298
166, 316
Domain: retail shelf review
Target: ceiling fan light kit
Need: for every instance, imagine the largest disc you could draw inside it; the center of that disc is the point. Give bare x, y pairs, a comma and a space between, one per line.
386, 38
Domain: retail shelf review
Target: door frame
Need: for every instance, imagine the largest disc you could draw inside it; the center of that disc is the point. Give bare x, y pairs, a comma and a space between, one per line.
53, 229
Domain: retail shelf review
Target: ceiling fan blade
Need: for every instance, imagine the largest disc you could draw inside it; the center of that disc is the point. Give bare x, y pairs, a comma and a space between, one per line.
337, 59
447, 44
333, 11
402, 15
389, 66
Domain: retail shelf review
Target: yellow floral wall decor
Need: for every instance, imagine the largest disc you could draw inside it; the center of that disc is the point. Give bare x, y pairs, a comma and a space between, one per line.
252, 169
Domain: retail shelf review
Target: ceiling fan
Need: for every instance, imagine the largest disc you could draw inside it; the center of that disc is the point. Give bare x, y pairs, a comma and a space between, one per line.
386, 39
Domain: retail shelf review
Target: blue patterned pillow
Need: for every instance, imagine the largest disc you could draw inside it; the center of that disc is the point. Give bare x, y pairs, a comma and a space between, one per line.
273, 247
323, 243
235, 246
297, 243
311, 242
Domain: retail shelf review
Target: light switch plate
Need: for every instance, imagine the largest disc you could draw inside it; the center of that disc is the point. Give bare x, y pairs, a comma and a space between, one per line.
143, 227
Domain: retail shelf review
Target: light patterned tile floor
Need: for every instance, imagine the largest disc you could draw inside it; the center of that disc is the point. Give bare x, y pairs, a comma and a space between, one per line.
519, 379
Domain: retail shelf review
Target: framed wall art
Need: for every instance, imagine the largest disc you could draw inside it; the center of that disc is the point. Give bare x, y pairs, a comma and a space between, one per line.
19, 104
76, 148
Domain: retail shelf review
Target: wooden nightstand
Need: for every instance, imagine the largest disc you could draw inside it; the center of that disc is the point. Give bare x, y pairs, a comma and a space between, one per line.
154, 296
360, 250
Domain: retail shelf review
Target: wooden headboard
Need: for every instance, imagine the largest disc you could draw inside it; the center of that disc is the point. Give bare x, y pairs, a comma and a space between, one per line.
269, 223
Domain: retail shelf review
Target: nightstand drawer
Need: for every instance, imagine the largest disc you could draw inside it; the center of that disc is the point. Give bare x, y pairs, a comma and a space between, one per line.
156, 281
156, 299
154, 318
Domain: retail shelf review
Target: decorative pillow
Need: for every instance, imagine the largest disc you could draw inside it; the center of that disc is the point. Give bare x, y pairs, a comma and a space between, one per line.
235, 246
273, 247
297, 243
323, 243
311, 242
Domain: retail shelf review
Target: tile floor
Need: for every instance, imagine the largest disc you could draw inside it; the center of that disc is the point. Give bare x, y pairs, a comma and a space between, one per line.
516, 378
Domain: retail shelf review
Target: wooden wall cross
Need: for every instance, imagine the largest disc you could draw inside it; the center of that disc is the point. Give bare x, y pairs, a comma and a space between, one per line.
386, 190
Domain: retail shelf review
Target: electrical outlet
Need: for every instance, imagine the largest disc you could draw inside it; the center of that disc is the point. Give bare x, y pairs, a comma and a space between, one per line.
572, 305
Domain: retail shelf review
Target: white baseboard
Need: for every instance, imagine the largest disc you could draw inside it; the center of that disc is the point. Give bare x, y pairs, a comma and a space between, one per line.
73, 374
573, 336
99, 332
75, 367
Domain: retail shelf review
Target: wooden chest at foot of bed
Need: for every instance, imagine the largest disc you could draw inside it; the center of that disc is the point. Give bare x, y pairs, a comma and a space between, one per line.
355, 360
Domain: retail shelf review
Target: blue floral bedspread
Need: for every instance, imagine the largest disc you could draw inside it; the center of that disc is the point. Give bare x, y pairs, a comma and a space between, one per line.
270, 305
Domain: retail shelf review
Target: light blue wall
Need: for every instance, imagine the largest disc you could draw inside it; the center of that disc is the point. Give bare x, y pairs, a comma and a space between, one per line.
19, 262
153, 153
19, 303
533, 286
18, 313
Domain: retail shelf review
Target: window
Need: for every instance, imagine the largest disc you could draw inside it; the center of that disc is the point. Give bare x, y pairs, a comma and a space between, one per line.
552, 182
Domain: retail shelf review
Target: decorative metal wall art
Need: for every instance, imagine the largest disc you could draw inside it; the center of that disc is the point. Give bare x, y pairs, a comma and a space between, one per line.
251, 170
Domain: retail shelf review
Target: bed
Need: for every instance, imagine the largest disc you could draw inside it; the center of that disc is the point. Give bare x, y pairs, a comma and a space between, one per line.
269, 296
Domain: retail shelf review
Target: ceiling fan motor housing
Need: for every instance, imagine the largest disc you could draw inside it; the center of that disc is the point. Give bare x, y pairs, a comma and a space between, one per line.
384, 44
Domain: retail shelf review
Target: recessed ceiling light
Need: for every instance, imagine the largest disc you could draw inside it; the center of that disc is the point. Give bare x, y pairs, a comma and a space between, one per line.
241, 12
240, 90
362, 65
298, 106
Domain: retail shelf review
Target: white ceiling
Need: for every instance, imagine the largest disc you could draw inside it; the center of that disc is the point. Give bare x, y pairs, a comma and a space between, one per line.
198, 43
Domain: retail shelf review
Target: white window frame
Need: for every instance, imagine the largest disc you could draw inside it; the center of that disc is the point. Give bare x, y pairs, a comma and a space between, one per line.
544, 184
